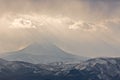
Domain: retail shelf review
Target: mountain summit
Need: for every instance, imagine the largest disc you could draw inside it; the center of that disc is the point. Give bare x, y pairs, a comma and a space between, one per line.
42, 53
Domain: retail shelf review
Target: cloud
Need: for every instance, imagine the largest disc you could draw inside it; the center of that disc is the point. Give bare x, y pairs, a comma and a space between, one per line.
88, 27
24, 29
34, 21
89, 10
22, 23
80, 25
77, 36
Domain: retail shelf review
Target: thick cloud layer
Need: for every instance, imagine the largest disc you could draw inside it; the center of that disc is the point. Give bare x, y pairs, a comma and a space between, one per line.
89, 10
83, 27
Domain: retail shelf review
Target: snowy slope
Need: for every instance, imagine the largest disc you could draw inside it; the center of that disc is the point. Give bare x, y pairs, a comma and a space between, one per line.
43, 53
93, 69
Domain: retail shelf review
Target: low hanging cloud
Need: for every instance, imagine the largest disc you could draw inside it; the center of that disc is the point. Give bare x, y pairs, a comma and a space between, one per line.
19, 32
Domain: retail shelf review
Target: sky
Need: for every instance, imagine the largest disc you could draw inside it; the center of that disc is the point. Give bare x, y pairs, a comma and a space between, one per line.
88, 28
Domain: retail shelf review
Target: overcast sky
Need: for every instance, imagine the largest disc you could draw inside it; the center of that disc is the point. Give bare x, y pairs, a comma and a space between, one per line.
83, 27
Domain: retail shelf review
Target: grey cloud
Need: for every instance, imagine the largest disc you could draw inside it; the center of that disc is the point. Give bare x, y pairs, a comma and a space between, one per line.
80, 9
90, 11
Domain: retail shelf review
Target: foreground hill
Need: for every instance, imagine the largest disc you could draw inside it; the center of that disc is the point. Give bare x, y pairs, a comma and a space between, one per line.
93, 69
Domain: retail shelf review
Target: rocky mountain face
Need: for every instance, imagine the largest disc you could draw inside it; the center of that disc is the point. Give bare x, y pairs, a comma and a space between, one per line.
92, 69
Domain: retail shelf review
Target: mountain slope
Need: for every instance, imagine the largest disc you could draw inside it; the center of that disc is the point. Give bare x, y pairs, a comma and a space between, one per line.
42, 53
93, 69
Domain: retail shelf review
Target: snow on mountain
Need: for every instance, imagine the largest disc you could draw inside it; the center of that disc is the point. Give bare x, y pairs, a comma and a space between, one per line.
100, 68
42, 53
92, 69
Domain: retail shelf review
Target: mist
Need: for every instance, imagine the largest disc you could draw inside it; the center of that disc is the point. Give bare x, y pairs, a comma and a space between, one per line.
82, 27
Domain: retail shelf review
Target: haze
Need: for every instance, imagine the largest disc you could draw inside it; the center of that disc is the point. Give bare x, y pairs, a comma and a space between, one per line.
82, 27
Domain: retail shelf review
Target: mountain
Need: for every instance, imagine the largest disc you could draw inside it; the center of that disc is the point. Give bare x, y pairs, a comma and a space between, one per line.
42, 53
98, 69
92, 69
